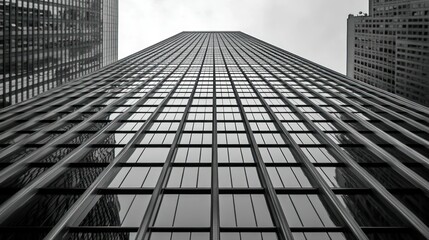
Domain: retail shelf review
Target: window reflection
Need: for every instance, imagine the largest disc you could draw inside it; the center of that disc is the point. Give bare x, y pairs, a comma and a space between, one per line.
235, 155
244, 210
180, 236
369, 211
284, 177
190, 177
117, 210
184, 210
319, 236
248, 236
103, 235
238, 177
193, 155
277, 155
136, 177
148, 155
306, 210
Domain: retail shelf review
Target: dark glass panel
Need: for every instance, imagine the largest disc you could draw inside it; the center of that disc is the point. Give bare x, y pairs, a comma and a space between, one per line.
41, 210
117, 210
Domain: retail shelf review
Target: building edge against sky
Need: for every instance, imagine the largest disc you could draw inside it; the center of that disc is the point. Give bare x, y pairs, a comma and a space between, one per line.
389, 48
48, 43
214, 135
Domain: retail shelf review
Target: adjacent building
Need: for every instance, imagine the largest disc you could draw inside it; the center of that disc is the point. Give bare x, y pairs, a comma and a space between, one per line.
44, 44
214, 135
389, 48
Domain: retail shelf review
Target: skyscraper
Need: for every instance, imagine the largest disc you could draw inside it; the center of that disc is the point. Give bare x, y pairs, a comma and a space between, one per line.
47, 43
214, 135
389, 48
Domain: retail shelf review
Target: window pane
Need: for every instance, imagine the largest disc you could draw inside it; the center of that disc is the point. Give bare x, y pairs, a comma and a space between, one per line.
184, 210
305, 211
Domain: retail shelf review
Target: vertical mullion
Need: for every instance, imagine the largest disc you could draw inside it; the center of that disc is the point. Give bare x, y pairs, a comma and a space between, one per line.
357, 169
155, 201
360, 87
326, 190
378, 117
4, 59
8, 112
270, 193
88, 199
43, 151
215, 218
52, 126
388, 158
8, 207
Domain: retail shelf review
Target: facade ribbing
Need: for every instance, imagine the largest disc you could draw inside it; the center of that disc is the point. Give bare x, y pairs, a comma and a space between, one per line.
47, 43
214, 135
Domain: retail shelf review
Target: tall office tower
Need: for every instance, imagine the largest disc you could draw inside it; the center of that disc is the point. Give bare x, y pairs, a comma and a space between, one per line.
389, 48
214, 135
47, 43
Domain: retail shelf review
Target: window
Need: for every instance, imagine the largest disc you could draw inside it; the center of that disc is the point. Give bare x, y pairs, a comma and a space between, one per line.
319, 155
238, 177
248, 236
235, 155
118, 210
184, 210
277, 155
136, 177
190, 177
244, 210
180, 236
305, 211
148, 155
285, 177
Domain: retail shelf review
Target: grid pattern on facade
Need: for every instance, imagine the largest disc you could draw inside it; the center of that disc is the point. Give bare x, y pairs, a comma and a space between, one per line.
389, 48
47, 43
214, 135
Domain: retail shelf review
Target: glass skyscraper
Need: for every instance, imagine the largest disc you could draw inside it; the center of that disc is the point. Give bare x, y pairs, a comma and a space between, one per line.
214, 135
44, 44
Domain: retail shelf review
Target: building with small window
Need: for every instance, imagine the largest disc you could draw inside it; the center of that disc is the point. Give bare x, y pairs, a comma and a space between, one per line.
214, 135
389, 48
44, 44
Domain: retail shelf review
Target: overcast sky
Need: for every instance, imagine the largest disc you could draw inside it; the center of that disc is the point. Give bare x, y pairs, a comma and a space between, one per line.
314, 29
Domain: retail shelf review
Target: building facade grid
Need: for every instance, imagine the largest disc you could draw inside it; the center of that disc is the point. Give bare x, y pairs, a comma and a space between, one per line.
389, 47
214, 135
44, 44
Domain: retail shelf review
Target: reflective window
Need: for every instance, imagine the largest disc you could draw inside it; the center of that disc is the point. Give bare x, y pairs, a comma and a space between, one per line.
148, 155
117, 210
190, 177
306, 210
244, 210
248, 236
319, 236
193, 155
277, 155
319, 155
238, 177
184, 210
180, 236
284, 177
136, 177
235, 155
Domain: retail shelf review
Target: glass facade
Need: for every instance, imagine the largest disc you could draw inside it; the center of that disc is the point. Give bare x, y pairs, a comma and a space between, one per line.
45, 43
214, 135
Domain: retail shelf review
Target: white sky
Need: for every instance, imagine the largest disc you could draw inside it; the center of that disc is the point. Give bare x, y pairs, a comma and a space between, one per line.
313, 29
